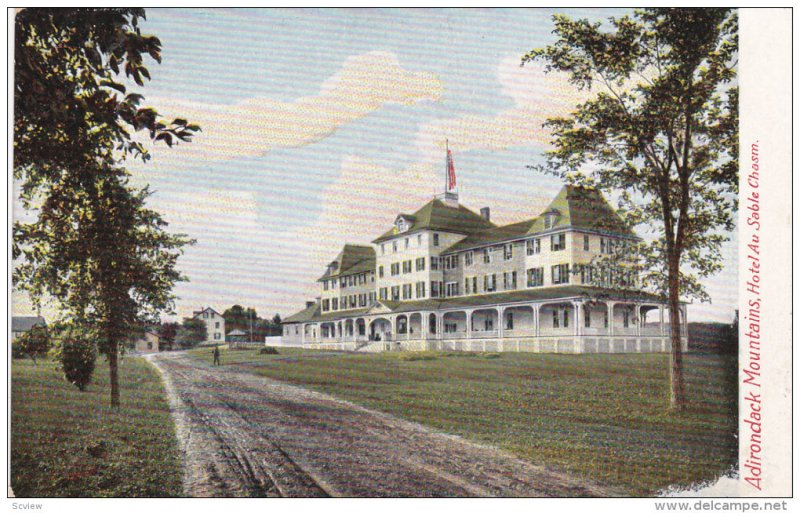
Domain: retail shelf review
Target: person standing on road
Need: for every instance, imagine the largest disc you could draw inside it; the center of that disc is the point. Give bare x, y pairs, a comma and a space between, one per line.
216, 355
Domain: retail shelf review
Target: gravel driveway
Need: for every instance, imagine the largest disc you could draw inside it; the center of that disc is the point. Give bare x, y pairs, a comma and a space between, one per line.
244, 435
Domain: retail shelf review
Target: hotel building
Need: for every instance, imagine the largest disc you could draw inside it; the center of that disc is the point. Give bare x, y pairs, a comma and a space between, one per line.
448, 278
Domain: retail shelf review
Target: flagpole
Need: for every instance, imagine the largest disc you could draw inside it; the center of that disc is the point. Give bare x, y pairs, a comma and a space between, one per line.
446, 166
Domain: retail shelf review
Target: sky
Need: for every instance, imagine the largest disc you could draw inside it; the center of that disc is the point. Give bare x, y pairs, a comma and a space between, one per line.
320, 126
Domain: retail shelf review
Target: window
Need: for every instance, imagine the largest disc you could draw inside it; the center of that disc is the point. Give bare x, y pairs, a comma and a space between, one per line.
474, 284
394, 246
333, 284
419, 240
383, 293
560, 318
434, 289
324, 284
510, 321
510, 280
435, 239
490, 282
216, 336
406, 243
380, 271
407, 291
536, 277
533, 246
558, 242
406, 266
149, 345
396, 293
466, 286
450, 262
587, 317
626, 318
335, 303
586, 243
434, 263
508, 251
468, 257
326, 305
420, 289
451, 289
216, 325
487, 255
606, 246
560, 274
383, 249
205, 315
395, 268
421, 264
343, 283
488, 324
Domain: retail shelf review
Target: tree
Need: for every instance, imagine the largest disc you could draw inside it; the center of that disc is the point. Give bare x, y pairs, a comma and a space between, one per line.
94, 247
191, 333
662, 130
167, 333
76, 354
35, 343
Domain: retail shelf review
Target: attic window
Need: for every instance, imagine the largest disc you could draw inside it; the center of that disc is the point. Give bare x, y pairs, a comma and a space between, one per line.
402, 225
551, 218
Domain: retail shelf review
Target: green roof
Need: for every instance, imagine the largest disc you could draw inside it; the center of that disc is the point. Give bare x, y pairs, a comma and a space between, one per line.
437, 216
582, 208
352, 259
574, 207
499, 298
304, 315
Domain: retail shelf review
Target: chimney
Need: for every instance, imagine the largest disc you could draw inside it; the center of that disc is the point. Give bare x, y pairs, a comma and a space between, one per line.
485, 213
309, 304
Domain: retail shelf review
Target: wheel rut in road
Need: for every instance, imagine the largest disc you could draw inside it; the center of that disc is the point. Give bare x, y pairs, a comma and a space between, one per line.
243, 435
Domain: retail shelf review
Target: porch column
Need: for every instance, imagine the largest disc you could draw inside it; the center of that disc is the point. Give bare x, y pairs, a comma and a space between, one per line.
423, 324
303, 334
440, 324
535, 307
661, 320
469, 322
638, 318
610, 306
578, 315
501, 312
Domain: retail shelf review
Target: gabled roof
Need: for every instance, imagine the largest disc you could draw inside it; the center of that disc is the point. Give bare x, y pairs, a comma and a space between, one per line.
574, 207
25, 323
352, 259
435, 215
582, 208
207, 309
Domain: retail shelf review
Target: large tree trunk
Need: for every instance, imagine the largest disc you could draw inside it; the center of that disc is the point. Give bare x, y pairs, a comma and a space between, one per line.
677, 399
113, 358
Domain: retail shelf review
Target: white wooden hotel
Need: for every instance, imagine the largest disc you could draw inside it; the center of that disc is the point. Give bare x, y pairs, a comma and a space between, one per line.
447, 278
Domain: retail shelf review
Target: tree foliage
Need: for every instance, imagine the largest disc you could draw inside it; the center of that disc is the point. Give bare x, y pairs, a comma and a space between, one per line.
167, 332
191, 333
35, 343
70, 103
661, 130
76, 354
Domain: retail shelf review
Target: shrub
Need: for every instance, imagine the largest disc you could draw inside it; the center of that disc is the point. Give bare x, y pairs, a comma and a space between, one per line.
416, 356
76, 355
267, 350
16, 350
34, 343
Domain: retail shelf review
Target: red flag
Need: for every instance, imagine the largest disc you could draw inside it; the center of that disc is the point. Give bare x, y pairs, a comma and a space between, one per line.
451, 171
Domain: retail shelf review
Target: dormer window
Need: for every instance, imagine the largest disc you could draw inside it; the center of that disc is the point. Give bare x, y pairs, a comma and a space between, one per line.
402, 224
551, 218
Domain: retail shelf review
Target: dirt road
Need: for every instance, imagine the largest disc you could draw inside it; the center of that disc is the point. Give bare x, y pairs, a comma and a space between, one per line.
244, 435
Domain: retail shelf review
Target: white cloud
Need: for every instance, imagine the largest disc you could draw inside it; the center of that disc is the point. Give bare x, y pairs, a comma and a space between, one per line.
537, 96
251, 128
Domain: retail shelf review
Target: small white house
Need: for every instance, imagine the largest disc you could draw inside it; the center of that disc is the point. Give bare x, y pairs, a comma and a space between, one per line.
215, 324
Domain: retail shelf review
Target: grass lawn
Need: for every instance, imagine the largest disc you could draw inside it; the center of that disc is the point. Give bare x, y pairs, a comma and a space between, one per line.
600, 416
66, 443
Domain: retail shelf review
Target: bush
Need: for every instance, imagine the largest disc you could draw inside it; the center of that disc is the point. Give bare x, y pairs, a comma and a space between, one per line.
268, 350
413, 356
77, 355
35, 343
16, 350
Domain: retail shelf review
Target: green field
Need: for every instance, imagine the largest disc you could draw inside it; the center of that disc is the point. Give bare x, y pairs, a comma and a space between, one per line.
599, 416
66, 443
